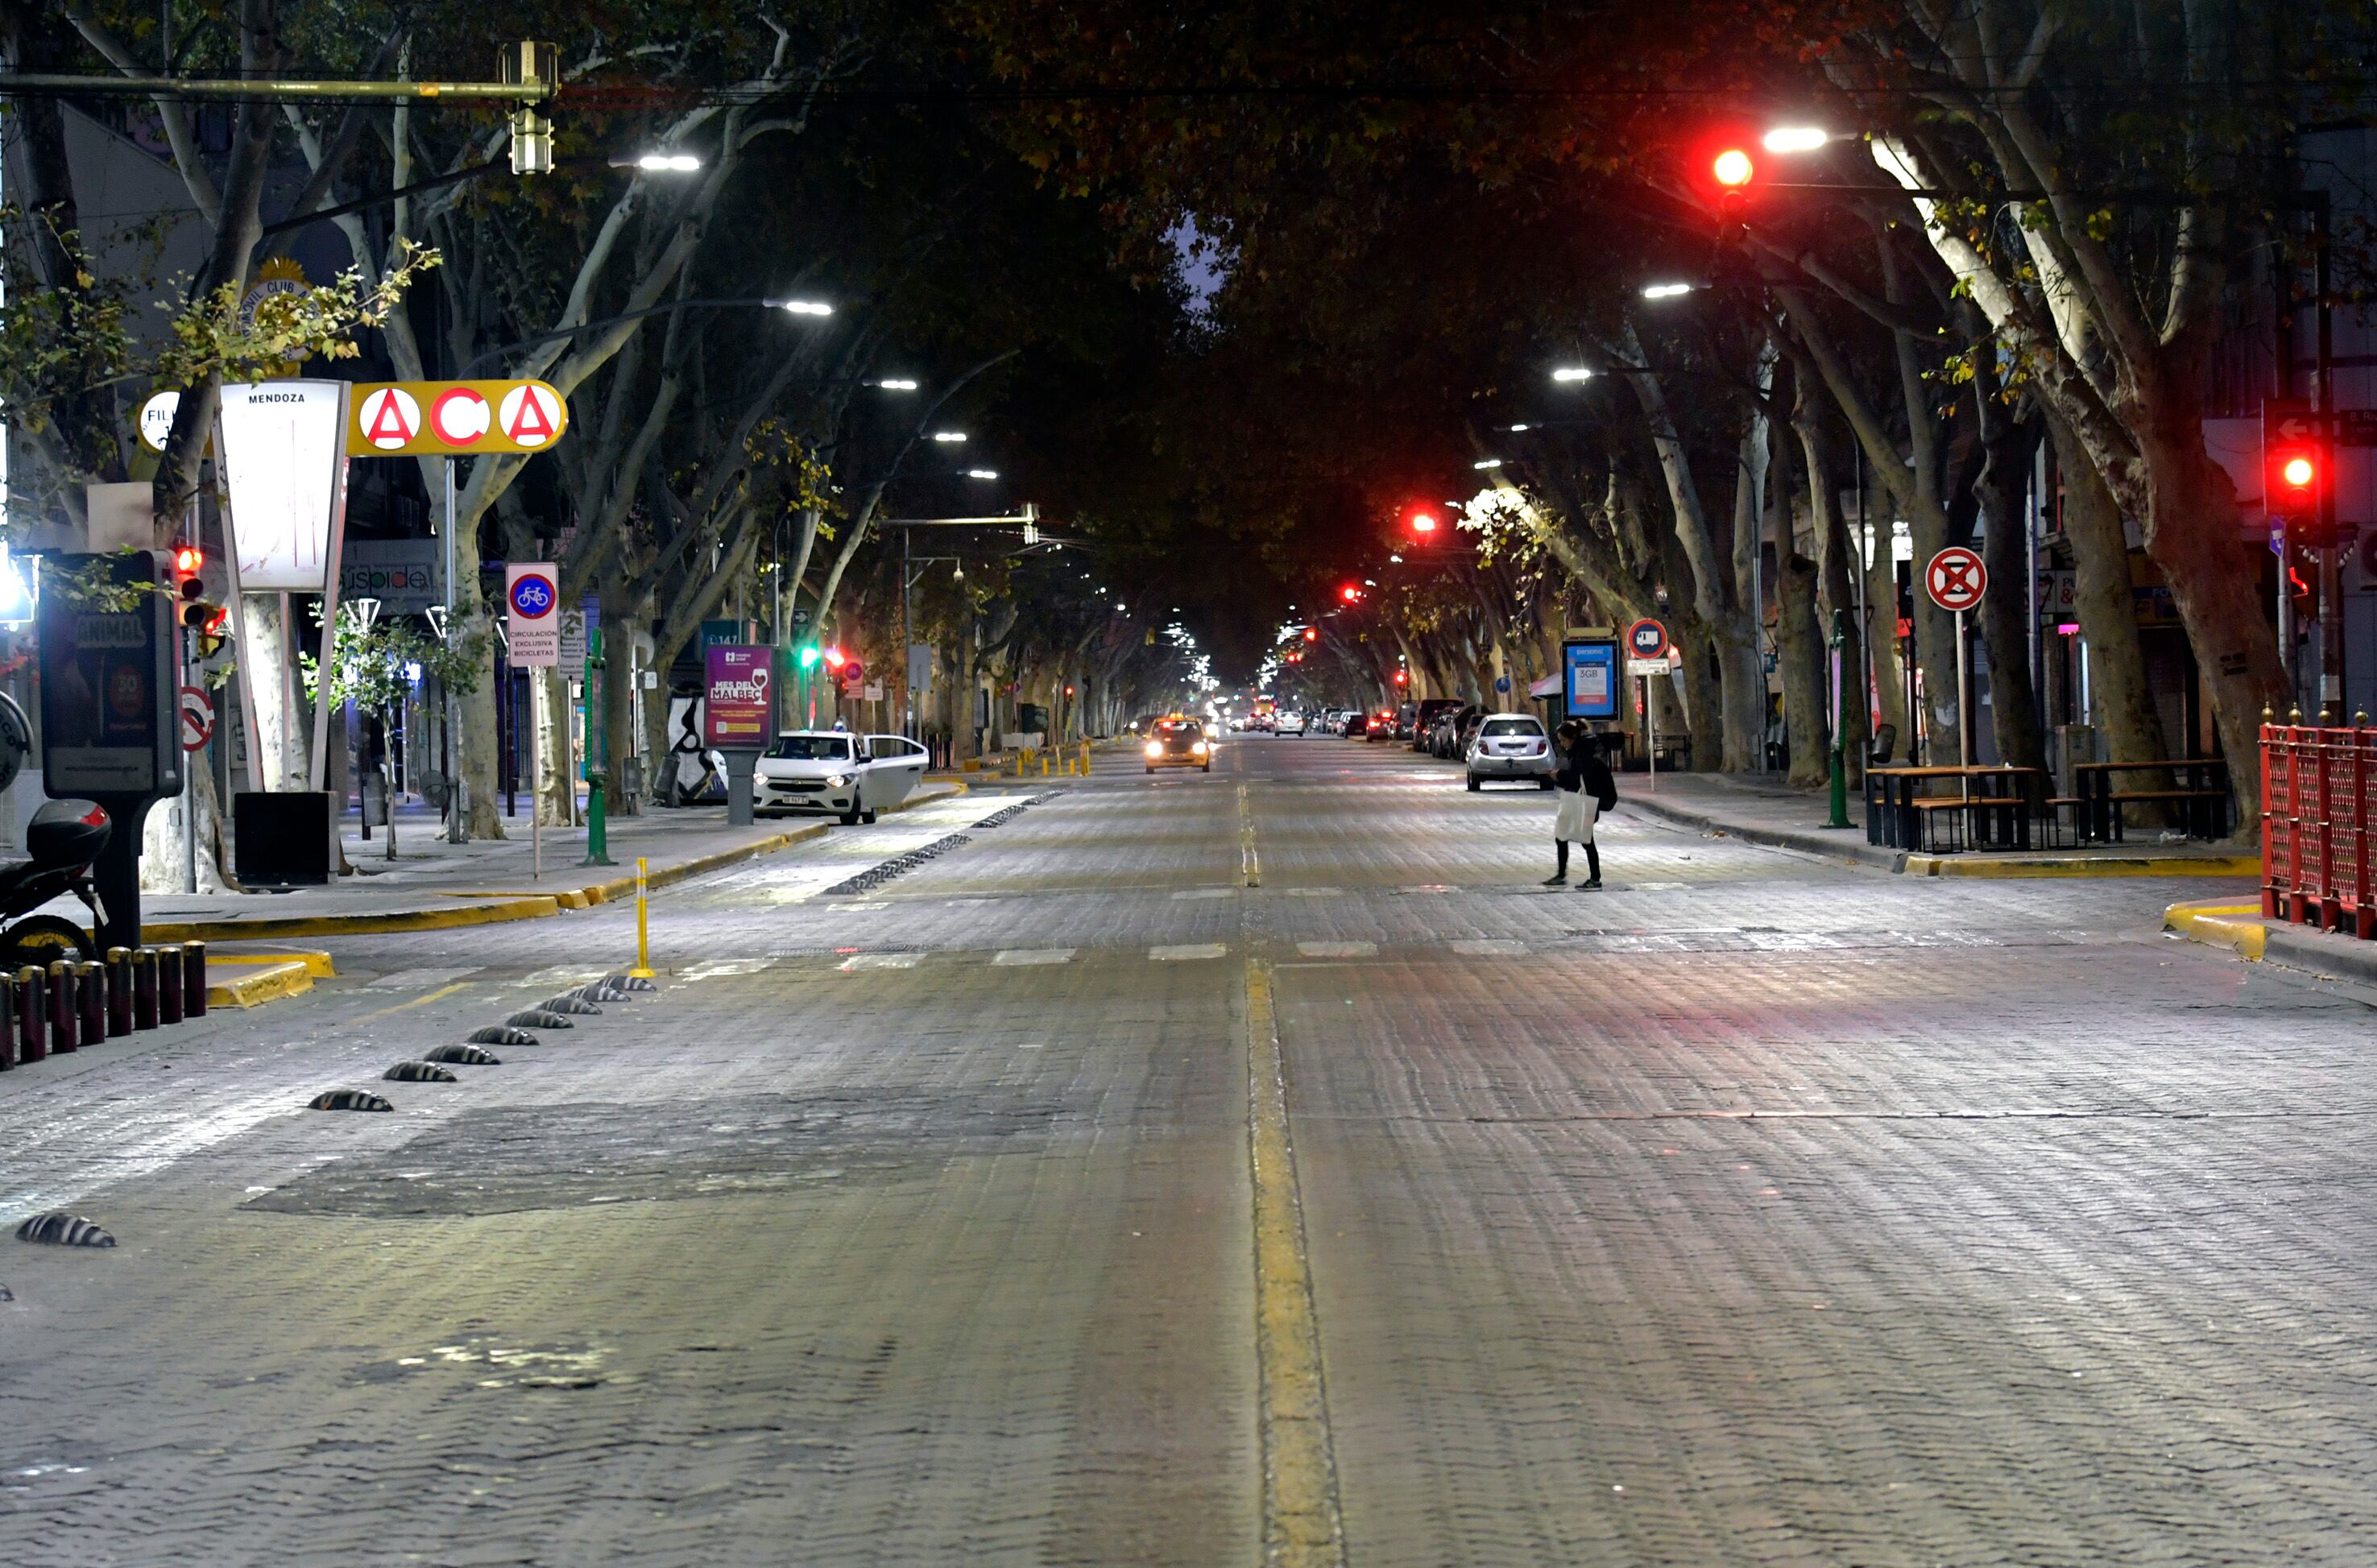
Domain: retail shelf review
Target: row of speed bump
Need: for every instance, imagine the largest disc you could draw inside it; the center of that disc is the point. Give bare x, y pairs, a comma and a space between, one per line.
436, 1067
875, 876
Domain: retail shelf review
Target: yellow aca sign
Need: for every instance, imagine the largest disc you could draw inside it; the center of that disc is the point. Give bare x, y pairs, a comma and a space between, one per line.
453, 419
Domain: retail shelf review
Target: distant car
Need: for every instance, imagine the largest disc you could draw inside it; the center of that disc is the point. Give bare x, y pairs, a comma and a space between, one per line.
1382, 725
1291, 724
1512, 746
1424, 716
1179, 743
1352, 725
829, 772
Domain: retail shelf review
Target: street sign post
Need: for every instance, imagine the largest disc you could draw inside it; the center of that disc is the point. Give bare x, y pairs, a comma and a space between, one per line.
1955, 579
533, 633
1646, 650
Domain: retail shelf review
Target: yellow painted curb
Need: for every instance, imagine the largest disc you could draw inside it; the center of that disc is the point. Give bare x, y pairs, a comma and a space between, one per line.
318, 962
2086, 866
260, 984
2236, 927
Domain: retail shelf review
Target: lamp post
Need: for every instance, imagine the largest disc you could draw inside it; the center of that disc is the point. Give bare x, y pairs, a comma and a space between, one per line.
1840, 791
597, 827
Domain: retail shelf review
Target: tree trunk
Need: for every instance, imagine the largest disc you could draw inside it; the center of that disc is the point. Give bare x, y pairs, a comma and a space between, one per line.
1801, 649
2004, 489
1882, 623
2122, 704
1834, 562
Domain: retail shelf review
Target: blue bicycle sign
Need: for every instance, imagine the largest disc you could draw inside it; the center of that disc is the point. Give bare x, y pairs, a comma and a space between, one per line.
533, 598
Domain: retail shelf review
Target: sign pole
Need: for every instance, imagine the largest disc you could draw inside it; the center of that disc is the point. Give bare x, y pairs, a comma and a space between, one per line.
1840, 771
535, 798
1964, 698
1651, 729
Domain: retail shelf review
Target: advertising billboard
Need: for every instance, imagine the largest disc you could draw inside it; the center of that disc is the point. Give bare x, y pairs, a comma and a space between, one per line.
734, 688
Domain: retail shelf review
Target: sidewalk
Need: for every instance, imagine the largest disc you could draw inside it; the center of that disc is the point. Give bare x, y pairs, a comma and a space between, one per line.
1774, 815
434, 886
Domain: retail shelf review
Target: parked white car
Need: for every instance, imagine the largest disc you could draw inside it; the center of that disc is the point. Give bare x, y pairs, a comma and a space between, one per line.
1291, 724
831, 772
1512, 745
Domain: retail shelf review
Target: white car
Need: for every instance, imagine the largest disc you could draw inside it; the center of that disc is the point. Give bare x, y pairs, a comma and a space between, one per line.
1291, 724
831, 772
1512, 745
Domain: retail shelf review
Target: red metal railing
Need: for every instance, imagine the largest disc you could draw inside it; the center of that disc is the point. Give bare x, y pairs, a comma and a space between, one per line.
2319, 817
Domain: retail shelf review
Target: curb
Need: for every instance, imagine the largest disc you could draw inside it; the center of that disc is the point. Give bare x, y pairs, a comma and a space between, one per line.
263, 982
498, 908
2243, 929
318, 962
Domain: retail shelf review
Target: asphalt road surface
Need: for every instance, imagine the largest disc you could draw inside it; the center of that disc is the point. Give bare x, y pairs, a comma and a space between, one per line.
1066, 1199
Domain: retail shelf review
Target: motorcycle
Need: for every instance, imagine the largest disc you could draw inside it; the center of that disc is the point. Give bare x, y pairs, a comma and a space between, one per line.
64, 838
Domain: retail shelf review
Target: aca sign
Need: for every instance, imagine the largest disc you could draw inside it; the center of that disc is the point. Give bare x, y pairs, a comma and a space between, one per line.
445, 419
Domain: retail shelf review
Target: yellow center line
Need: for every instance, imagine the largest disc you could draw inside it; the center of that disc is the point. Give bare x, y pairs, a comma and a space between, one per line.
1303, 1527
1249, 862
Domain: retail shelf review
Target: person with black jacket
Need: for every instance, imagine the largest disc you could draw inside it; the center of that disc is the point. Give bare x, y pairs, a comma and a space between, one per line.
1584, 788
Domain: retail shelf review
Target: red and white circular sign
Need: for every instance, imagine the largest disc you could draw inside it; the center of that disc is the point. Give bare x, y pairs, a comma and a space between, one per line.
530, 415
388, 418
459, 416
198, 717
1955, 579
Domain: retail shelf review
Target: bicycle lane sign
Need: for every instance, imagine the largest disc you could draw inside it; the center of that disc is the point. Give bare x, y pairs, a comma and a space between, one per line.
531, 626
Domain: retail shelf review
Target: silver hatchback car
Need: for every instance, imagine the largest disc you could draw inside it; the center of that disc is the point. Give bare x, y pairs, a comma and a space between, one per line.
1512, 746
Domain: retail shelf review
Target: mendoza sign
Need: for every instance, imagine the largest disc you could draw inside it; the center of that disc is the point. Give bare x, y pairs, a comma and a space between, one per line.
454, 419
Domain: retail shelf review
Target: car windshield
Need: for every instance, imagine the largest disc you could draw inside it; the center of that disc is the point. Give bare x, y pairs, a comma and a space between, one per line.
1512, 727
810, 748
1181, 732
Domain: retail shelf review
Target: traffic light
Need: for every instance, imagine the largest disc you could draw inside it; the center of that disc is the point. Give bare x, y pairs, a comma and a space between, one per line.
2295, 485
197, 614
1312, 633
1422, 522
1401, 677
1350, 594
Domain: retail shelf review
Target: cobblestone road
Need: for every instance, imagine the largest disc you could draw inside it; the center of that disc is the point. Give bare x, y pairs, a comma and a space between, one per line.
1754, 1210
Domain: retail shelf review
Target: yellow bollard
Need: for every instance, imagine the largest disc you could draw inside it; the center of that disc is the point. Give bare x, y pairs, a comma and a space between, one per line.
643, 969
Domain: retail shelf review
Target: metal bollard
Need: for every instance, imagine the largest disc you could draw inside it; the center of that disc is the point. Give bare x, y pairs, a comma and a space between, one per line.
144, 987
194, 979
169, 985
119, 992
62, 1007
32, 1039
7, 1026
90, 998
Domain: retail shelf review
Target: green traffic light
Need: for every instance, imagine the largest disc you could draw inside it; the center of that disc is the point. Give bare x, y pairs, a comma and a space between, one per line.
810, 657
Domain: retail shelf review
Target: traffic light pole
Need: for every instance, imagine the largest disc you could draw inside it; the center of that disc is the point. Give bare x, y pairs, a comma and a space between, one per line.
2331, 576
598, 837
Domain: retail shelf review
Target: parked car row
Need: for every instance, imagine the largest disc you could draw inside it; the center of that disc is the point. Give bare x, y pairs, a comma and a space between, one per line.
1511, 747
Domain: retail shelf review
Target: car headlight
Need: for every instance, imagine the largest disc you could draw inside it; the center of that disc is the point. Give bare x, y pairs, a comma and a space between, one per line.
1155, 748
1198, 750
837, 780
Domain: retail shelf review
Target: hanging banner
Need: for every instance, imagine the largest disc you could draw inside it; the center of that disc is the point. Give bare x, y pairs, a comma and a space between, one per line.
453, 419
736, 688
286, 471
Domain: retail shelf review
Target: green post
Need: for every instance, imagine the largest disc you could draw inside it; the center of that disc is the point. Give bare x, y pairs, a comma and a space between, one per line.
597, 832
1840, 817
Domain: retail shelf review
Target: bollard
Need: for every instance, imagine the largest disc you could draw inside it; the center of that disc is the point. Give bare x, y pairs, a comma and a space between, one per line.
194, 979
62, 1007
643, 969
91, 996
30, 1038
119, 992
169, 985
7, 1026
144, 987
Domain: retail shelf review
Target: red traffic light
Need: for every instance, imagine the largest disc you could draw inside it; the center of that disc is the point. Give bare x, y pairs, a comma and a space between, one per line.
189, 560
1349, 593
2296, 473
834, 658
1422, 522
1312, 633
1401, 677
1732, 168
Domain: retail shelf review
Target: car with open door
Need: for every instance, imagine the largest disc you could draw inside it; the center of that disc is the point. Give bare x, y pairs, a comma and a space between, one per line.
814, 771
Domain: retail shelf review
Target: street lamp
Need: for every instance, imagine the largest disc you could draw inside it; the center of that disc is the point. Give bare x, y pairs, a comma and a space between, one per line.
982, 473
948, 436
803, 307
1666, 291
657, 162
1795, 139
896, 385
1572, 373
1487, 463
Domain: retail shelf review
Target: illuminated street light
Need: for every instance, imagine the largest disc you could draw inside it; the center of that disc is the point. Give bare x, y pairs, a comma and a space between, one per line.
949, 435
897, 386
657, 162
1487, 463
1795, 139
982, 473
803, 307
1572, 373
1666, 290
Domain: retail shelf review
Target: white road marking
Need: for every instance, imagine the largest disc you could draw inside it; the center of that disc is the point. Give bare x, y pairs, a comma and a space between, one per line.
1657, 886
853, 909
718, 967
1205, 893
1489, 948
1338, 949
881, 961
406, 978
1012, 956
1188, 950
1313, 892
